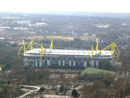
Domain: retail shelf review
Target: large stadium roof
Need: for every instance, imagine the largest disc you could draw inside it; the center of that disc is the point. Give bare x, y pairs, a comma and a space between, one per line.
48, 51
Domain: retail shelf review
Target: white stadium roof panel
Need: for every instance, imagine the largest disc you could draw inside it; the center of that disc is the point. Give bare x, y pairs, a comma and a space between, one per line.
67, 52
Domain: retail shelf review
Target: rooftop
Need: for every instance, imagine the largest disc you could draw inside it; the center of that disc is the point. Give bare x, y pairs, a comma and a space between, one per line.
47, 51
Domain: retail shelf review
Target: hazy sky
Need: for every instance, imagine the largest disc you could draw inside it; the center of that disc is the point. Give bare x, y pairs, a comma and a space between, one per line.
118, 6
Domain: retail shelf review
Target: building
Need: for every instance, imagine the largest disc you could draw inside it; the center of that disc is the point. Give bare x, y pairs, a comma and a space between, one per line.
57, 58
73, 59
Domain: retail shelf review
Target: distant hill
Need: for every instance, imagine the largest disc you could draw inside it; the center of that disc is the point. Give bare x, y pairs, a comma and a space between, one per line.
74, 13
91, 14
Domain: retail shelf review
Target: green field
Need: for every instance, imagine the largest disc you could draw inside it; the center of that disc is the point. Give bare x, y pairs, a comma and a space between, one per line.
51, 37
96, 71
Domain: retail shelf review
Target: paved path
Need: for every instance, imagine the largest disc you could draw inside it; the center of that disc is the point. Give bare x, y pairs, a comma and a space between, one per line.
29, 91
55, 96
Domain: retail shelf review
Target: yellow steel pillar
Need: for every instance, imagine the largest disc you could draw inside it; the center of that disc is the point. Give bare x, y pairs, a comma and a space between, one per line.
97, 46
41, 54
92, 51
24, 47
31, 44
51, 45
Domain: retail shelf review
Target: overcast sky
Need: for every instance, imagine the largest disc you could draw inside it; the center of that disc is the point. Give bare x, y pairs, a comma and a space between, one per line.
118, 6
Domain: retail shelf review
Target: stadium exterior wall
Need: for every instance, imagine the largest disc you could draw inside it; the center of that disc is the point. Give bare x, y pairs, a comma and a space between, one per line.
57, 61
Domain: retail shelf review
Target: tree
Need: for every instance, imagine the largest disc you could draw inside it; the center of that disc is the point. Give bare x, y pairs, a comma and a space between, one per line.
75, 94
108, 88
42, 89
61, 89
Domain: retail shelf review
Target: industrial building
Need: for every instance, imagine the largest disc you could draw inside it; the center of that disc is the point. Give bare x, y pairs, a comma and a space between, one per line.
73, 59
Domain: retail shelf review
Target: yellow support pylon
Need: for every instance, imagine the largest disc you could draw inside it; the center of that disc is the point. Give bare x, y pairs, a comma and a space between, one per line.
51, 45
114, 50
41, 52
31, 44
24, 47
92, 51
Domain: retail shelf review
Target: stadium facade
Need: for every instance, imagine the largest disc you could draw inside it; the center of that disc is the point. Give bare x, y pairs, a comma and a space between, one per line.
73, 59
58, 58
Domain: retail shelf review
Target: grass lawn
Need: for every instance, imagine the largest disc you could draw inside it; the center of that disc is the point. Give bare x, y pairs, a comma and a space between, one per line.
59, 37
97, 71
51, 37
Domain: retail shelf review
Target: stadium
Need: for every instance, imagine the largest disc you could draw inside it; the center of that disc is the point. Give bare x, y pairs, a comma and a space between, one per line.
67, 59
